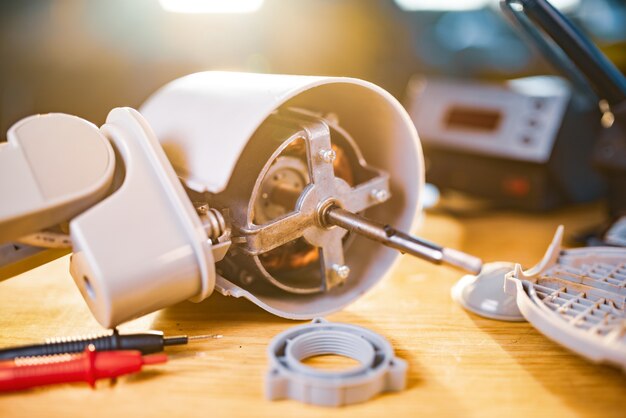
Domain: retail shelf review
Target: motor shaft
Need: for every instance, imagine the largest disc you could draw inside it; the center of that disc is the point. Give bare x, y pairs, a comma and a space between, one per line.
401, 241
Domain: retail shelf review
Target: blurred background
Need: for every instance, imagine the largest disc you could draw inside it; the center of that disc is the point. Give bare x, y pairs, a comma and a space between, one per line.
86, 57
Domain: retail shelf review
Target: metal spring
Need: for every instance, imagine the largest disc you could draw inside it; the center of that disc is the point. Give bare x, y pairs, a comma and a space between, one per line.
214, 223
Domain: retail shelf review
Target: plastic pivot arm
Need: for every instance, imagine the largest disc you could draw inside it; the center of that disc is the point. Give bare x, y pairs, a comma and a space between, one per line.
52, 168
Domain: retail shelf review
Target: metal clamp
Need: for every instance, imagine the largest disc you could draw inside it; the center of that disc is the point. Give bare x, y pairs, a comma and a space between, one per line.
379, 370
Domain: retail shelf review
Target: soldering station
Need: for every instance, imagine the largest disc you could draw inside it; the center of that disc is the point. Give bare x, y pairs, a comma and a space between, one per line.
299, 194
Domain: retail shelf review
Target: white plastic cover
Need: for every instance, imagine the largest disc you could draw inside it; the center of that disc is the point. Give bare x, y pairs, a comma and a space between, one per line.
205, 120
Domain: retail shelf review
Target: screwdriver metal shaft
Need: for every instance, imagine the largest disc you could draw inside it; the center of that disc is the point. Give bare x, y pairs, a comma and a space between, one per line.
401, 241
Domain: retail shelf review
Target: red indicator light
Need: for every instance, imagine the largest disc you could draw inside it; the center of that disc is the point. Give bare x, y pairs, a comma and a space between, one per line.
516, 186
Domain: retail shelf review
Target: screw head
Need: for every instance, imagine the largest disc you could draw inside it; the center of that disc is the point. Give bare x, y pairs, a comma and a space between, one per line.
246, 277
341, 271
202, 208
328, 155
379, 196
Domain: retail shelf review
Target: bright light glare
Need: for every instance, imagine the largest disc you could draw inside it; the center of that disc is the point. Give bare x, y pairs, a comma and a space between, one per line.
411, 5
211, 6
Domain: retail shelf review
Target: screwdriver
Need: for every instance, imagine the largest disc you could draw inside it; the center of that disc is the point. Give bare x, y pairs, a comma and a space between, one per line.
88, 366
401, 241
146, 343
334, 215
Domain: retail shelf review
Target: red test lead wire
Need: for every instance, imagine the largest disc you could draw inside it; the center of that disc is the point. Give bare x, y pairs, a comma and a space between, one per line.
89, 366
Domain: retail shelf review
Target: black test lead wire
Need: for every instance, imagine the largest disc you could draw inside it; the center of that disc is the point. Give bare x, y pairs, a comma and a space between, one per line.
147, 342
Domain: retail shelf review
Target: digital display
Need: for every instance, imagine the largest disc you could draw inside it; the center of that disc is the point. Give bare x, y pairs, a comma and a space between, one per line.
472, 118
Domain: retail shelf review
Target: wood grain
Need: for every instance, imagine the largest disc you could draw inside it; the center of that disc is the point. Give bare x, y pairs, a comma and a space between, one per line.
459, 364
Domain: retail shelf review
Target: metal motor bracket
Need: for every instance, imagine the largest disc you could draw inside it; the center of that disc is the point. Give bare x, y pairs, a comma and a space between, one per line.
323, 190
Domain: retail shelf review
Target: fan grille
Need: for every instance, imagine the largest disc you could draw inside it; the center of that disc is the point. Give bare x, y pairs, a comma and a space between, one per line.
590, 296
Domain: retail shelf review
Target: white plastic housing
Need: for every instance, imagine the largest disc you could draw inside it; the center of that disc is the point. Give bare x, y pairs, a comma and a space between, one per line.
142, 248
52, 167
205, 120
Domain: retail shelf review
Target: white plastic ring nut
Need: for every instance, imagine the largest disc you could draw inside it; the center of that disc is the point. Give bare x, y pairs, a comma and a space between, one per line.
379, 370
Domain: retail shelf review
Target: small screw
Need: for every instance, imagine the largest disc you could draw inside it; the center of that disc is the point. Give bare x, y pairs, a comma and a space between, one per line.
246, 277
202, 208
379, 195
332, 118
341, 271
328, 155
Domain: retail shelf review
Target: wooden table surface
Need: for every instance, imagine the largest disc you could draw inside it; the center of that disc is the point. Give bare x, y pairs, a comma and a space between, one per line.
459, 364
